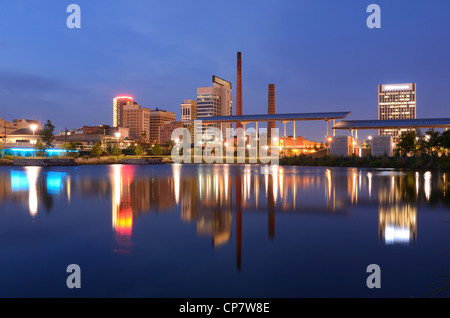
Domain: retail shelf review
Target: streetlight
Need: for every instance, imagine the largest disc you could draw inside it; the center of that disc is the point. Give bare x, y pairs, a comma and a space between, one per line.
118, 136
33, 128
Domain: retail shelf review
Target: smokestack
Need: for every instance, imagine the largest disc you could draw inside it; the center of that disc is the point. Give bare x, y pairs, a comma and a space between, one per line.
271, 124
239, 88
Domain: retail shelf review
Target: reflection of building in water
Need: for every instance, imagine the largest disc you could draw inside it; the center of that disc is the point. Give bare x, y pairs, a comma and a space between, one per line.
122, 213
397, 218
214, 215
188, 193
207, 200
41, 187
133, 195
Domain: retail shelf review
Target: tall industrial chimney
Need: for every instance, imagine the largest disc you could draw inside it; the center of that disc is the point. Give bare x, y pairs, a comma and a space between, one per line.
271, 124
239, 88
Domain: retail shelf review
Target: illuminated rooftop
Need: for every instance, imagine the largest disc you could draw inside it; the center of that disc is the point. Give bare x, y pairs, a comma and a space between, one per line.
395, 123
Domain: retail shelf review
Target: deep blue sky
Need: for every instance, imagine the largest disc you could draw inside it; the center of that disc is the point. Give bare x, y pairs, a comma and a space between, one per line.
319, 53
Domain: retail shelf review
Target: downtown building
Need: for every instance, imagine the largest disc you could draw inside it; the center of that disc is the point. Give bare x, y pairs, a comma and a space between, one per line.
396, 101
118, 104
8, 128
137, 120
129, 114
188, 115
215, 100
158, 118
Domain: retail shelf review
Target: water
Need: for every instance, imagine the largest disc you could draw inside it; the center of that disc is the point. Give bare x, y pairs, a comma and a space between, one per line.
222, 231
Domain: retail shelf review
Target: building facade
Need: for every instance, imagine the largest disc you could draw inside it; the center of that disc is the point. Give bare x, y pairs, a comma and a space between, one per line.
137, 120
157, 118
166, 130
396, 101
118, 104
216, 100
188, 110
188, 114
7, 127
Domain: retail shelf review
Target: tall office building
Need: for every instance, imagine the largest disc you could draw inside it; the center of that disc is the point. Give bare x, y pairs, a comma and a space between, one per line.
137, 120
188, 114
157, 118
216, 100
188, 110
396, 101
118, 104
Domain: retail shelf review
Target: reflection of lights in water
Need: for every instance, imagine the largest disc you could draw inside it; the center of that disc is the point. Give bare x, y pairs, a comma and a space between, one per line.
247, 183
392, 184
54, 182
216, 186
360, 179
328, 176
176, 181
354, 197
122, 212
200, 187
68, 188
19, 181
417, 183
427, 185
281, 177
117, 190
294, 192
266, 183
395, 234
32, 176
226, 172
124, 223
369, 177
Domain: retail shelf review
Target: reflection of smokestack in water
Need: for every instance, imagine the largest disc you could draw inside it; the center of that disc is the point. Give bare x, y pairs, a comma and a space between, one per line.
271, 111
239, 88
271, 207
238, 221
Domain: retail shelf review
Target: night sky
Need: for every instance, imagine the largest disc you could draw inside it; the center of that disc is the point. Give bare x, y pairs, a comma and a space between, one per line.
319, 53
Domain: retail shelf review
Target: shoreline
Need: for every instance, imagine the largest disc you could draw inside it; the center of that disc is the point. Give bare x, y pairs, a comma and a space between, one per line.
400, 163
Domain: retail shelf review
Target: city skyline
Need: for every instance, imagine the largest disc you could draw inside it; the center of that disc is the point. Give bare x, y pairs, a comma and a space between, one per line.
71, 72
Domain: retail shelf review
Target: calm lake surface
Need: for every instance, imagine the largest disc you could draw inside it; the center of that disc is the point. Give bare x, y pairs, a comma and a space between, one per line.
223, 231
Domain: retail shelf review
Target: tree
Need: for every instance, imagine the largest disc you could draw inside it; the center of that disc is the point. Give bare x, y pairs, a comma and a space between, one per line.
139, 151
110, 149
157, 151
39, 148
431, 141
170, 144
47, 136
96, 151
70, 147
445, 140
407, 142
129, 151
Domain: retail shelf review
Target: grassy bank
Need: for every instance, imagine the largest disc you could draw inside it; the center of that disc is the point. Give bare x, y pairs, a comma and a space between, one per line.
420, 162
109, 160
